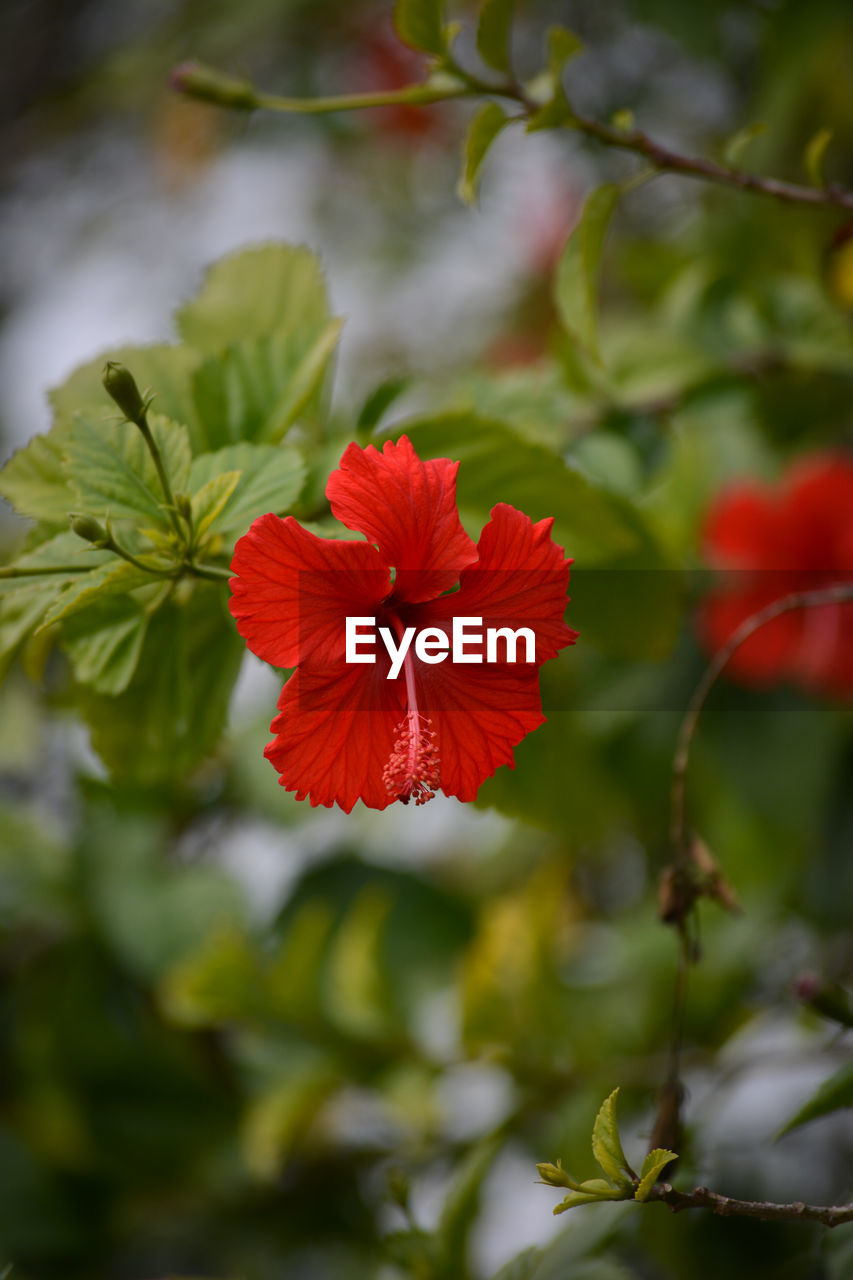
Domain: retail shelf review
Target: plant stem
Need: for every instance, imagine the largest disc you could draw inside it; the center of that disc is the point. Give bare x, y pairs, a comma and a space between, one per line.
414, 95
154, 450
17, 571
211, 571
766, 1210
839, 594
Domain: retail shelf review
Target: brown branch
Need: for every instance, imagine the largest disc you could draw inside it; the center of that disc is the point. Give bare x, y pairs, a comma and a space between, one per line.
767, 1211
210, 85
666, 160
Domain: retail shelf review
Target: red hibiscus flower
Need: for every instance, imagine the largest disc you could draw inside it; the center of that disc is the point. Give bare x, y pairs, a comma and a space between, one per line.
345, 731
794, 537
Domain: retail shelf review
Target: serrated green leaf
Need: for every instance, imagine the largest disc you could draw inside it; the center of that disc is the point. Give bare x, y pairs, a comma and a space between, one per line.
498, 466
254, 293
271, 478
21, 611
484, 128
209, 501
305, 382
576, 284
814, 157
35, 479
104, 642
113, 472
420, 24
654, 1163
256, 389
493, 33
738, 143
114, 577
173, 711
834, 1094
63, 551
607, 1145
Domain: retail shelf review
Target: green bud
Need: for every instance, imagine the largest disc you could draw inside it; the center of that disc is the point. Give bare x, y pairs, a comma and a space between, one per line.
120, 384
554, 1175
88, 528
208, 85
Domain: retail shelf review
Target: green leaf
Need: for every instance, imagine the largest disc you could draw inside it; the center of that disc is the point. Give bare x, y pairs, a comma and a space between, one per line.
493, 33
607, 1146
419, 23
254, 293
460, 1207
35, 479
62, 551
305, 383
379, 401
484, 128
271, 478
563, 45
114, 577
576, 286
654, 1163
104, 642
498, 466
522, 1266
256, 389
114, 473
209, 501
597, 1190
834, 1094
21, 611
738, 143
173, 711
814, 157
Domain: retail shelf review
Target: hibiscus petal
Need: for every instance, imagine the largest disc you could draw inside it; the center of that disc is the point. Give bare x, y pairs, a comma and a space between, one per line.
520, 580
478, 714
480, 711
407, 507
335, 733
743, 530
293, 591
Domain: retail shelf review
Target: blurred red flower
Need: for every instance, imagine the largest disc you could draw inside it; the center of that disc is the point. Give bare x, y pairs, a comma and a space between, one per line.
796, 536
345, 731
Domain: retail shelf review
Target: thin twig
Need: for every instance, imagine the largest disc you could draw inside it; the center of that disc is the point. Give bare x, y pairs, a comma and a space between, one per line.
839, 594
766, 1210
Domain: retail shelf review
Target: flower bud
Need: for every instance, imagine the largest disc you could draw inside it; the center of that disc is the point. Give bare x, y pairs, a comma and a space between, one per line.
88, 528
120, 384
207, 85
554, 1175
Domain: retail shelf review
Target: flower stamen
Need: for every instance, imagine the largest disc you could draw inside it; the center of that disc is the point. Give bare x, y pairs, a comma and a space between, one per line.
412, 770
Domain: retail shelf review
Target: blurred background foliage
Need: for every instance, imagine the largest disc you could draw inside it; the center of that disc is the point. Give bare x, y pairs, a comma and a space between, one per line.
242, 1038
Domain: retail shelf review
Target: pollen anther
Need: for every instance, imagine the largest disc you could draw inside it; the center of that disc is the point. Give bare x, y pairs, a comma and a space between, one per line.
412, 771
